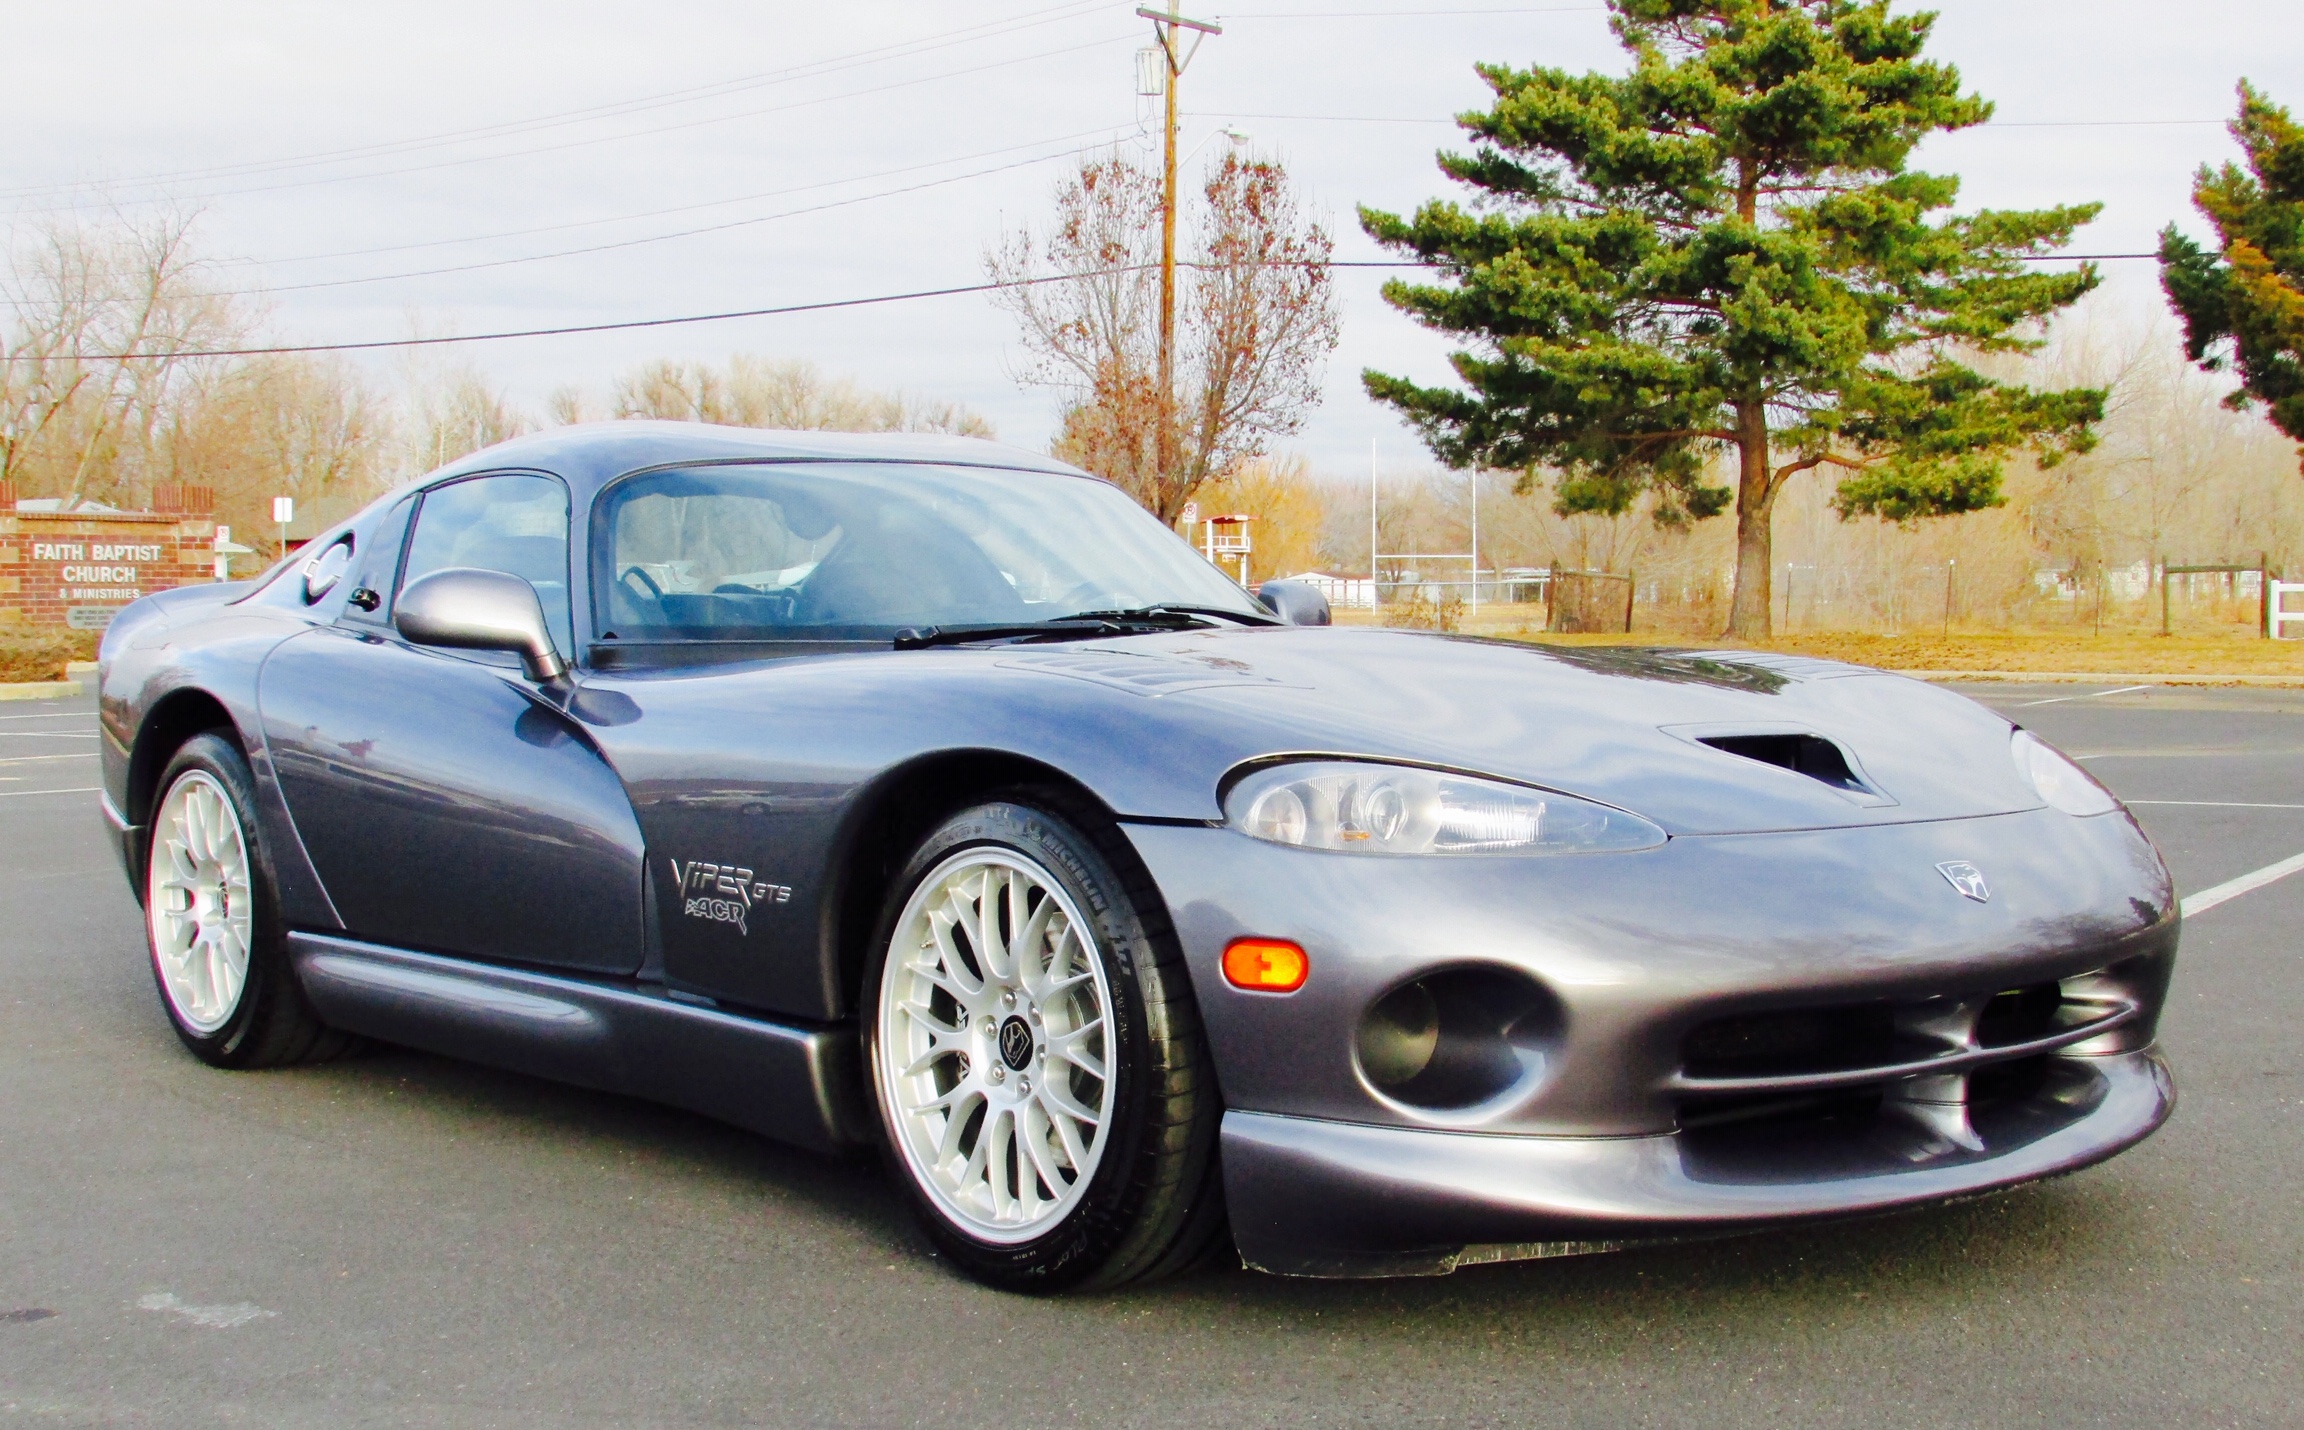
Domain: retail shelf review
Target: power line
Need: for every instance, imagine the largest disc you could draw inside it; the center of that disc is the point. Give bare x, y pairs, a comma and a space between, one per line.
967, 34
1450, 120
646, 238
691, 318
626, 325
640, 133
676, 209
1417, 14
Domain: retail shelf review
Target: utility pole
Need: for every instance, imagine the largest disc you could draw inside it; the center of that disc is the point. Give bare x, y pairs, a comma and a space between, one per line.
1165, 24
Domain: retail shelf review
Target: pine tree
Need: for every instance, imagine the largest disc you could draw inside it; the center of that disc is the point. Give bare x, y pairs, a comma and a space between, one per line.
1724, 251
2248, 298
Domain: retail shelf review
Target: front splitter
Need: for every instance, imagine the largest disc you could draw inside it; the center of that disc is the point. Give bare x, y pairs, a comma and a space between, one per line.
1318, 1198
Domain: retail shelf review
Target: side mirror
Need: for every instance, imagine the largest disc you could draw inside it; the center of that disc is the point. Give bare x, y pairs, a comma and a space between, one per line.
464, 608
1296, 602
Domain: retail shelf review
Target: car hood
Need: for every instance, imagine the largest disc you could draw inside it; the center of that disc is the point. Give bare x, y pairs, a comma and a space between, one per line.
1622, 725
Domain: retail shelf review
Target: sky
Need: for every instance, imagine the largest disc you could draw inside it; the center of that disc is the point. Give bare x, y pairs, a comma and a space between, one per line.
465, 166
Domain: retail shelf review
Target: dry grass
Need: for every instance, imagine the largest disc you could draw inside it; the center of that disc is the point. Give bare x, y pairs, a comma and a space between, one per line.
2108, 654
2231, 651
27, 656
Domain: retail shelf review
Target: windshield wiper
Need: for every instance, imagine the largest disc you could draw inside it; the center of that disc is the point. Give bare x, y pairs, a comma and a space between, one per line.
1165, 609
1087, 625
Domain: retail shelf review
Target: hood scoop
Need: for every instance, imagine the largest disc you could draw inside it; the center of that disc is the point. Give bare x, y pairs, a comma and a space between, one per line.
1799, 751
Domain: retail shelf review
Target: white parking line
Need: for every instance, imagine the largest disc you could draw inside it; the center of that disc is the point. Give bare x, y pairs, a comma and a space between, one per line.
2207, 899
42, 759
22, 793
47, 734
2092, 695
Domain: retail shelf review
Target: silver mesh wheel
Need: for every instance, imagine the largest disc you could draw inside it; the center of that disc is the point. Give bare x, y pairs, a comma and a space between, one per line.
198, 903
994, 1062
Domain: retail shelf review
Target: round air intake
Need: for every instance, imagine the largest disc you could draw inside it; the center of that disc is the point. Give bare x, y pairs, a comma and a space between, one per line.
1458, 1038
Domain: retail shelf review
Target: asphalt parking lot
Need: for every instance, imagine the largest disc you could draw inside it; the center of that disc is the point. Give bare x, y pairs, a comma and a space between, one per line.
399, 1239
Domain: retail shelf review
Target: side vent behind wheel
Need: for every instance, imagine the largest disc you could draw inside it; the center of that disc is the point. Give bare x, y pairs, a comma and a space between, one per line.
1809, 755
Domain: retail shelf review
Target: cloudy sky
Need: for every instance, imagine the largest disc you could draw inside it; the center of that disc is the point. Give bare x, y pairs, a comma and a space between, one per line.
485, 164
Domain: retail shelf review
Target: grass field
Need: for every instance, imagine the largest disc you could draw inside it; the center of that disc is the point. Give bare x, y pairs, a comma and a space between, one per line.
2230, 651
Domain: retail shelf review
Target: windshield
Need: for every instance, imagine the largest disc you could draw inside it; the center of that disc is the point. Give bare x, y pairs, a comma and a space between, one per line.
861, 551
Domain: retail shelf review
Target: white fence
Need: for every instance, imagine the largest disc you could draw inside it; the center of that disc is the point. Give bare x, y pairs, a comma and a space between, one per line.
1340, 590
2276, 614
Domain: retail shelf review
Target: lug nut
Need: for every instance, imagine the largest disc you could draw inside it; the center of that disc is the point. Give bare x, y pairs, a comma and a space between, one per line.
1008, 999
999, 1073
1023, 1084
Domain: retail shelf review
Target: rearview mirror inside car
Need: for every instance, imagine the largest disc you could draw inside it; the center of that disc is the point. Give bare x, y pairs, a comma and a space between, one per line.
465, 608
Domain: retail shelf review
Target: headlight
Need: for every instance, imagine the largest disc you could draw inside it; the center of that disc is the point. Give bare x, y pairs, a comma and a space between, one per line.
2057, 779
1393, 809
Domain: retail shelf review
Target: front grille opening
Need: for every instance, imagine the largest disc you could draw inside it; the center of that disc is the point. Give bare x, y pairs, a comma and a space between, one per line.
1792, 1041
2015, 1081
1760, 1139
1810, 755
2020, 1015
1840, 1108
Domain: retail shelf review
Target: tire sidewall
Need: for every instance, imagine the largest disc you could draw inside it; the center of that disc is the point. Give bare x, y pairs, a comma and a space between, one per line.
222, 761
1079, 1242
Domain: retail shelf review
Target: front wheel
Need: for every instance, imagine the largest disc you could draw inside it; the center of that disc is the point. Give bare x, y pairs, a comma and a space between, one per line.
1037, 1058
212, 919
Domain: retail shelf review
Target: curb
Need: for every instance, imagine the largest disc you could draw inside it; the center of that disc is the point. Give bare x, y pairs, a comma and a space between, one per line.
2074, 677
38, 689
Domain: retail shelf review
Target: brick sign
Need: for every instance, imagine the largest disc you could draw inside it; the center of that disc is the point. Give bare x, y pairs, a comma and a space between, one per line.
74, 570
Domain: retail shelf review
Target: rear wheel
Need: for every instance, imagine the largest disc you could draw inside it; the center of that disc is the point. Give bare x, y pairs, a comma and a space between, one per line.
212, 920
1036, 1055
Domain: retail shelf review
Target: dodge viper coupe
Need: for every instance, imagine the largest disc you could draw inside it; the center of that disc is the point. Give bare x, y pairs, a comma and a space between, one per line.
926, 795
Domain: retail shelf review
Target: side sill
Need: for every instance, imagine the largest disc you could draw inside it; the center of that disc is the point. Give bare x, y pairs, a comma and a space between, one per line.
801, 1085
127, 842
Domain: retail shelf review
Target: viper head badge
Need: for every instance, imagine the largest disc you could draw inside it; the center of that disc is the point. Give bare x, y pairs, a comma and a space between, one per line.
1967, 878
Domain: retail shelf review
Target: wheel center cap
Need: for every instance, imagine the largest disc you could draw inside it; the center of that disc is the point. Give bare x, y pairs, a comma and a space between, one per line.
1016, 1043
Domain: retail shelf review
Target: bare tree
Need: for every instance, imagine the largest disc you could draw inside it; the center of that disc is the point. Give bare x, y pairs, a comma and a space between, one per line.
1257, 320
104, 320
791, 395
295, 426
451, 411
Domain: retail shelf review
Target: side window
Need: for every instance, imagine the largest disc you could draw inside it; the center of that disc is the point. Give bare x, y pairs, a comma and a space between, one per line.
368, 602
513, 523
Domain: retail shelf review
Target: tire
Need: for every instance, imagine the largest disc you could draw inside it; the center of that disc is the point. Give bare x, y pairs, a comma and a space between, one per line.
1027, 1168
212, 919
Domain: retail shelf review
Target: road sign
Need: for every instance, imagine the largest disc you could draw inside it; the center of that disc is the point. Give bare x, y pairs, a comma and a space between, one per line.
283, 509
1191, 511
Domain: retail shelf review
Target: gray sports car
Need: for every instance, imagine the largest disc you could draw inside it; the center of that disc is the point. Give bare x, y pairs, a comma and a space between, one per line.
926, 794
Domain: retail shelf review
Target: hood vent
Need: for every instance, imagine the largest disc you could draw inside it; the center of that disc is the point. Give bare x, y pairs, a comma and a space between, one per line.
1810, 755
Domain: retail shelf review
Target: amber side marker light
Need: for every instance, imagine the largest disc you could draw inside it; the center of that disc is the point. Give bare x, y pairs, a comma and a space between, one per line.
1265, 965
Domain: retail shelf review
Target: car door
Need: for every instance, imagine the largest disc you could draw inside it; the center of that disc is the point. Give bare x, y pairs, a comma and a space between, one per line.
445, 807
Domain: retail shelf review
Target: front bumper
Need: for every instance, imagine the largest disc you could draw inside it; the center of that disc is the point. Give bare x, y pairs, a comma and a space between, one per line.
1316, 1198
1618, 1011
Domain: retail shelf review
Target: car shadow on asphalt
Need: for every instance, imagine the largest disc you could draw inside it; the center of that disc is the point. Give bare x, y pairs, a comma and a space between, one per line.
2036, 1235
2030, 1236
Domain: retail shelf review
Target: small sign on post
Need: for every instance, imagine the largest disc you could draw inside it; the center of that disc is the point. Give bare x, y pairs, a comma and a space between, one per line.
225, 548
283, 509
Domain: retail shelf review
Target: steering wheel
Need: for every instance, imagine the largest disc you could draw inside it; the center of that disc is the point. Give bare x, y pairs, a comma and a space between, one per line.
646, 592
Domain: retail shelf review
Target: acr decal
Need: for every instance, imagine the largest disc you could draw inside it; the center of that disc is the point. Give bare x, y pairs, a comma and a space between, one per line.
723, 893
